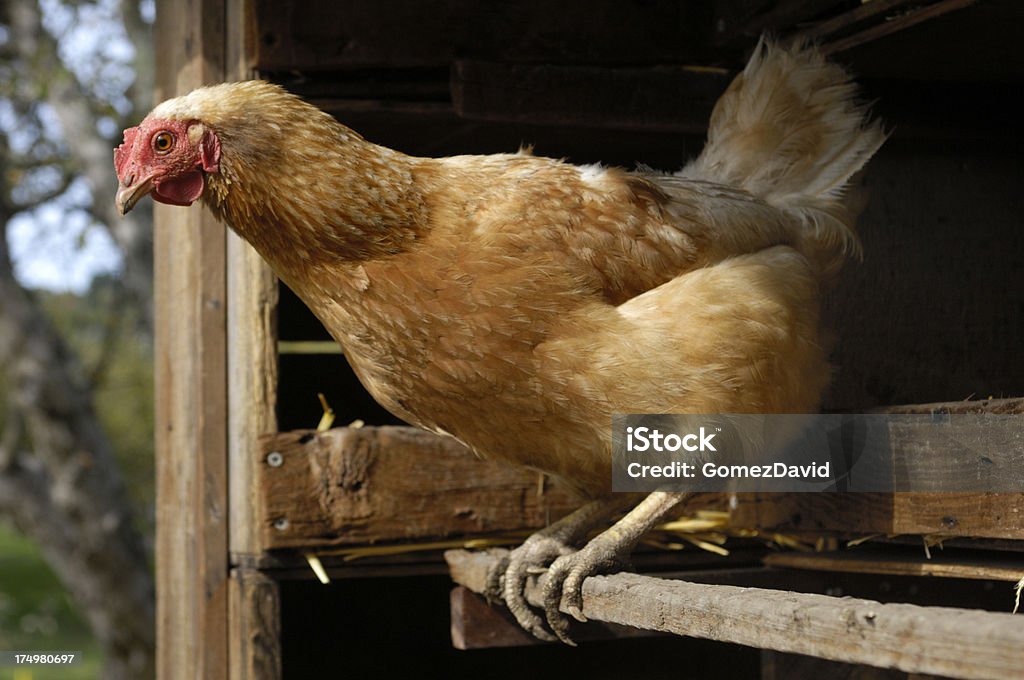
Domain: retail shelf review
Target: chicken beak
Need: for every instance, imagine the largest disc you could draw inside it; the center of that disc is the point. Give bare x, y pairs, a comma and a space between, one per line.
128, 196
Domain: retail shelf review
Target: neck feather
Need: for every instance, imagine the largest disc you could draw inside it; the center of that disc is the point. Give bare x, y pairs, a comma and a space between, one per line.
305, 190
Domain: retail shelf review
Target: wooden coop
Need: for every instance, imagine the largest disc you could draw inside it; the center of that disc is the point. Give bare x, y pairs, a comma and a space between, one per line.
250, 495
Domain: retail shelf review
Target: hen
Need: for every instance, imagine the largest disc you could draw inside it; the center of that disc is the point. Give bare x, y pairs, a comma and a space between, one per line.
516, 302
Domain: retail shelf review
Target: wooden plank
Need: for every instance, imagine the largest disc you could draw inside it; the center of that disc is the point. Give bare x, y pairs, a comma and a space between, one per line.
256, 626
958, 643
895, 24
947, 514
251, 352
659, 98
349, 486
995, 406
324, 35
988, 515
970, 453
191, 541
894, 561
846, 21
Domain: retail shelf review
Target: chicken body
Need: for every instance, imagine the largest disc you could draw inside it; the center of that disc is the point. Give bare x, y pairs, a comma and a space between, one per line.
498, 328
517, 302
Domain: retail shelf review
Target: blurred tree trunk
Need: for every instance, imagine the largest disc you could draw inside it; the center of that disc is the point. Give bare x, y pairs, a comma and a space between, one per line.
59, 480
60, 484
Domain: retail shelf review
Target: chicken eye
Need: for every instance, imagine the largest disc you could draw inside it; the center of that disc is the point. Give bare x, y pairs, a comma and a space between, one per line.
162, 142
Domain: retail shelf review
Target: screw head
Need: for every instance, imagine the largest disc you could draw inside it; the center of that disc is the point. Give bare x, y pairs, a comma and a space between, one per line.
275, 459
281, 523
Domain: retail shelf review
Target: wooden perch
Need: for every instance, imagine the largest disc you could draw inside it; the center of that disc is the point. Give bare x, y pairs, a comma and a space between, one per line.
958, 643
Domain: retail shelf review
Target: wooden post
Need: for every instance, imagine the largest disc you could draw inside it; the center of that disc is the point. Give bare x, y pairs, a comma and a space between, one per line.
191, 384
215, 304
253, 625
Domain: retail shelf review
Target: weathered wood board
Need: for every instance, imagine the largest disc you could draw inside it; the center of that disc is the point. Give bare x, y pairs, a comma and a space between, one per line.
898, 561
946, 514
985, 515
347, 486
190, 384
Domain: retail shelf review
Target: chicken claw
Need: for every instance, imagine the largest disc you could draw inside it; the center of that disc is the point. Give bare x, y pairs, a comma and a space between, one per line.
494, 588
606, 553
536, 552
507, 578
564, 585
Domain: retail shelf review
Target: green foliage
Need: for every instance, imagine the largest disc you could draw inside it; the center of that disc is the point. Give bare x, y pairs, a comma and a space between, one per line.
36, 615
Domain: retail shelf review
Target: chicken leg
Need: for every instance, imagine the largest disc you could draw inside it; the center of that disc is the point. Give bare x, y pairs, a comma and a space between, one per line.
552, 549
507, 579
608, 552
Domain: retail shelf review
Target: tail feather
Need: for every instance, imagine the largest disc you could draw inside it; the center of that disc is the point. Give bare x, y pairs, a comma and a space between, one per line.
791, 130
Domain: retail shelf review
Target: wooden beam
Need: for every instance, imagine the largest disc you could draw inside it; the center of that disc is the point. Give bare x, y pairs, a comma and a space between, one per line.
348, 486
657, 98
890, 25
191, 384
326, 35
901, 562
877, 10
1013, 406
856, 514
958, 643
987, 515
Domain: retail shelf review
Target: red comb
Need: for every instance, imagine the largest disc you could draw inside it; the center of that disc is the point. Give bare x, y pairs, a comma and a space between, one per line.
122, 152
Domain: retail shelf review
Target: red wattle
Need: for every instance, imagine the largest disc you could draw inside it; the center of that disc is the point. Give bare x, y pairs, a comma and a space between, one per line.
182, 190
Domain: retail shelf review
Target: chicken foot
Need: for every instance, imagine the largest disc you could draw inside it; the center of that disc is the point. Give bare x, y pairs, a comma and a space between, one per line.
608, 552
507, 579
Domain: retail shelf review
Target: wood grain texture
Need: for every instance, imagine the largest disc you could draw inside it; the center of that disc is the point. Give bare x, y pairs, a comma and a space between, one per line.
348, 486
254, 620
1014, 406
958, 643
251, 340
191, 384
255, 626
985, 515
856, 514
897, 562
